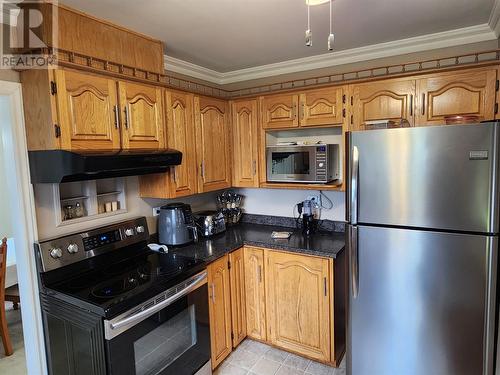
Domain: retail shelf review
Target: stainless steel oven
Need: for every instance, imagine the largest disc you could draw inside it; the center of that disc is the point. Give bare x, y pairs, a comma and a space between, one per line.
317, 163
168, 334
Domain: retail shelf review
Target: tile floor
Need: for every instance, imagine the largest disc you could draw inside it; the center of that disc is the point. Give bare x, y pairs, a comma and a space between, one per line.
16, 363
254, 358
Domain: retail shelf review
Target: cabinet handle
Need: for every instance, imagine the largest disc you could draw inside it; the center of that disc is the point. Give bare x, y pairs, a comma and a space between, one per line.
302, 111
254, 166
213, 293
202, 169
127, 117
411, 105
259, 272
324, 284
294, 111
423, 104
117, 116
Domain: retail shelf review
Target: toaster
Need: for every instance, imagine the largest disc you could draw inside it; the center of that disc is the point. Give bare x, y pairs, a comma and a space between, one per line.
210, 223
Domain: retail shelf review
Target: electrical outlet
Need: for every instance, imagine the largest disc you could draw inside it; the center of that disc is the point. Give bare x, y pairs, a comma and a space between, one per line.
156, 211
315, 199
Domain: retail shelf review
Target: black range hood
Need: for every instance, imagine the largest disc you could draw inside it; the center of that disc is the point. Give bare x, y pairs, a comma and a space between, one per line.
56, 166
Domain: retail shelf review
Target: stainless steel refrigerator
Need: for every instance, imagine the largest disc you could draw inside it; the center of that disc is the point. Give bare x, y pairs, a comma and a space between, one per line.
423, 223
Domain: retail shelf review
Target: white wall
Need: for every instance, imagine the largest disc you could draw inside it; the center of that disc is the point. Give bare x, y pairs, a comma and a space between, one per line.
136, 206
279, 202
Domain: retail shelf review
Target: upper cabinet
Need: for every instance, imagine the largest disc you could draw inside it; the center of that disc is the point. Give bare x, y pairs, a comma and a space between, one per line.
142, 116
87, 111
245, 143
213, 143
181, 180
279, 111
309, 108
387, 100
467, 93
321, 107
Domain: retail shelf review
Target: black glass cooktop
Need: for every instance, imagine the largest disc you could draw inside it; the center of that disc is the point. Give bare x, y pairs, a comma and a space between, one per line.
121, 285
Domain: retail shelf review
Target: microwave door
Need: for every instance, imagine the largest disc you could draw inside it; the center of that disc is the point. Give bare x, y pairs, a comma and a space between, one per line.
290, 164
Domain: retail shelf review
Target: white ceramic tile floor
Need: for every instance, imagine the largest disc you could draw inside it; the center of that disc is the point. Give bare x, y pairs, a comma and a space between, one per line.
254, 358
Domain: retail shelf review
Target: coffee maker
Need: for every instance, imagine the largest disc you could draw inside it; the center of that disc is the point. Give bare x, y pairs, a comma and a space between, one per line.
309, 223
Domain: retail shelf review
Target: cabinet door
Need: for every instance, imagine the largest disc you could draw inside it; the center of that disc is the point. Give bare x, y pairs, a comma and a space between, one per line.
181, 136
220, 310
321, 107
213, 144
237, 276
255, 293
386, 100
142, 116
86, 111
298, 304
245, 143
279, 111
447, 94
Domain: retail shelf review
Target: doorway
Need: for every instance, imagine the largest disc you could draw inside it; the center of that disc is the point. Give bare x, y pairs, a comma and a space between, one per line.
19, 220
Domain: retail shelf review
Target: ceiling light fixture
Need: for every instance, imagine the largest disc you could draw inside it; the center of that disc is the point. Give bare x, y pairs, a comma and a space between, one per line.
331, 36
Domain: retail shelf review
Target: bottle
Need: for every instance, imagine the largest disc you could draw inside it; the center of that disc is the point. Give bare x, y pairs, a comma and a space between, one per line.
79, 210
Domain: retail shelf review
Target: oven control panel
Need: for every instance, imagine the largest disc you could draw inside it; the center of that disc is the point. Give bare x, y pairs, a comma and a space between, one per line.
76, 247
101, 239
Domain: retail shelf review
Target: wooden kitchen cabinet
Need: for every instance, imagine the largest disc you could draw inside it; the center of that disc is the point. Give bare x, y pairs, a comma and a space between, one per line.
87, 107
298, 302
383, 100
245, 143
279, 111
470, 92
141, 116
219, 310
238, 310
255, 293
321, 107
213, 143
181, 180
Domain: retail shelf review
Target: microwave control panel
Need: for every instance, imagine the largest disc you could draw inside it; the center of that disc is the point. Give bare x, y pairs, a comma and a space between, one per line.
321, 163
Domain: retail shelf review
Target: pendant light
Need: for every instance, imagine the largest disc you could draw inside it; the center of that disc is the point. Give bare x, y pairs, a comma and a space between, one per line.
331, 37
309, 41
308, 34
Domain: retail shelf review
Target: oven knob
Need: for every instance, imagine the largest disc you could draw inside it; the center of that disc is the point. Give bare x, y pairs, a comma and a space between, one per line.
321, 165
139, 229
56, 253
129, 232
72, 248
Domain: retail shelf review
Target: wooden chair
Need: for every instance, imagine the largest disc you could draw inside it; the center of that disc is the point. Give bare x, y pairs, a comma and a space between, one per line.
4, 331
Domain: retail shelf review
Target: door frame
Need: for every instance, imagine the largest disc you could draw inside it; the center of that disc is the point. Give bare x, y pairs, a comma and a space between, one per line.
25, 230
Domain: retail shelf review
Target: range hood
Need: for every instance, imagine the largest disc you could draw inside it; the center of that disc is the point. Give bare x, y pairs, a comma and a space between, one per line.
56, 166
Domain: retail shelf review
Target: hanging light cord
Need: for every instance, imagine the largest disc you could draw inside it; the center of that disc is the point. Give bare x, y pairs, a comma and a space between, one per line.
308, 17
330, 16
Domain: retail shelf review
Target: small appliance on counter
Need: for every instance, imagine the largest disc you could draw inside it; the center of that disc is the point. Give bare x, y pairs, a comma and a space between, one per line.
210, 223
309, 222
176, 225
229, 204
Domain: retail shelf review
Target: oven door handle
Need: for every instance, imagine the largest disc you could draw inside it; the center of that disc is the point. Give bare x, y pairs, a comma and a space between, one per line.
194, 284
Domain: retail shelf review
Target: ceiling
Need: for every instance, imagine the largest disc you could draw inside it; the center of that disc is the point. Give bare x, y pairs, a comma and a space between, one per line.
229, 35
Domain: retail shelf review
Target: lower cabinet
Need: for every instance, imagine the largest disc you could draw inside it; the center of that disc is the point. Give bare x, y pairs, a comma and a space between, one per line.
255, 301
284, 299
298, 303
238, 308
219, 307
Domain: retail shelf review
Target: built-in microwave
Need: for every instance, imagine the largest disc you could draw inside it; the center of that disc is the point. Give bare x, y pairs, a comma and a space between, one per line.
318, 163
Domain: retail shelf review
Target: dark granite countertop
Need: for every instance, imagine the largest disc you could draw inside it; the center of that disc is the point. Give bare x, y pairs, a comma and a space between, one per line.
322, 243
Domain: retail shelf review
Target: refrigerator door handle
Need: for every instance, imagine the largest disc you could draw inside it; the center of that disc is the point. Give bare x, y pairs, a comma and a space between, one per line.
354, 185
353, 247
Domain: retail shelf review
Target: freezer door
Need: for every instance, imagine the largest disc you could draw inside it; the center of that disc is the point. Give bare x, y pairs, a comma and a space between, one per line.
441, 177
420, 302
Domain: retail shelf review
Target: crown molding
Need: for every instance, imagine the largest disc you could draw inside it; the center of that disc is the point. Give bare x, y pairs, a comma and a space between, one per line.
494, 21
450, 38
